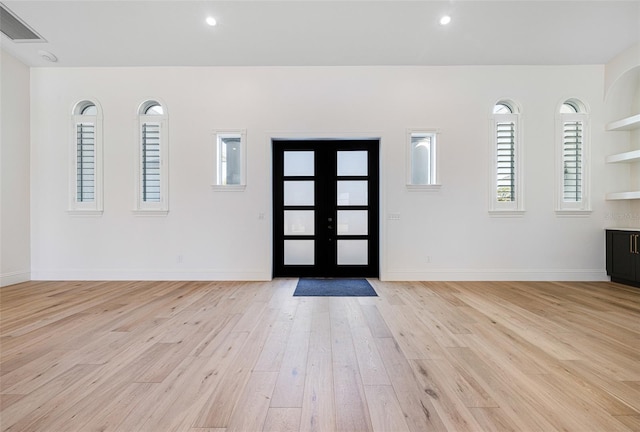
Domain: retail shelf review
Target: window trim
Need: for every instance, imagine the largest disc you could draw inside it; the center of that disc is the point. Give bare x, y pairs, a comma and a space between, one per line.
216, 182
149, 208
434, 171
95, 207
510, 208
583, 207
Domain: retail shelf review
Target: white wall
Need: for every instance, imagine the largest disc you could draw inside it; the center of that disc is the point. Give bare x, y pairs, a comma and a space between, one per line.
15, 260
219, 234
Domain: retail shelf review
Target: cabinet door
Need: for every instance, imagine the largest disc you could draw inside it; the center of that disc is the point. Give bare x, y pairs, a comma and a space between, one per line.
621, 256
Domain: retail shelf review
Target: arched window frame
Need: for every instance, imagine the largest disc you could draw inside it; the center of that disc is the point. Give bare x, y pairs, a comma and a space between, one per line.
575, 124
86, 159
151, 143
509, 202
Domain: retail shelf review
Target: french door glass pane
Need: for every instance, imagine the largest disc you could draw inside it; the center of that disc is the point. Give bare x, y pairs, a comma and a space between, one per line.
353, 193
353, 222
299, 222
352, 252
298, 163
299, 252
299, 193
353, 163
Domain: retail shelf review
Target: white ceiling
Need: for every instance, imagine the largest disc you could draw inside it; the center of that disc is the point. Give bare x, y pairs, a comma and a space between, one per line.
307, 32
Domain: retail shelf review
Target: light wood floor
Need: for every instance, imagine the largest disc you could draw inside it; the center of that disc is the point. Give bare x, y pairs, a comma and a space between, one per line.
247, 356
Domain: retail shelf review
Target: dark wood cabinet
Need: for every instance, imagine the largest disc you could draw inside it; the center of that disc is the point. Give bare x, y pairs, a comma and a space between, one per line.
623, 256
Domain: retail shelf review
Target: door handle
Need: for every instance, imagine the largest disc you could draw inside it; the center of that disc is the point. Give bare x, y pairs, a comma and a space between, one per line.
635, 243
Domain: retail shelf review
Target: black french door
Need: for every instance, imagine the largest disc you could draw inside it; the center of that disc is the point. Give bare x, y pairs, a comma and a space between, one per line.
325, 208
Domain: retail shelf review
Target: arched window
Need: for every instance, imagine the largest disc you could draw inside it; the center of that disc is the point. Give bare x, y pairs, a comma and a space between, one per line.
86, 149
506, 184
152, 154
572, 168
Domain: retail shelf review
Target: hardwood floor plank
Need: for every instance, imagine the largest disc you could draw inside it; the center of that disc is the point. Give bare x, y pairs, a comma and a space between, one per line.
33, 412
272, 354
220, 407
252, 407
631, 422
8, 399
376, 323
439, 376
282, 420
493, 419
351, 409
289, 388
318, 408
414, 338
386, 414
599, 378
519, 406
414, 400
371, 367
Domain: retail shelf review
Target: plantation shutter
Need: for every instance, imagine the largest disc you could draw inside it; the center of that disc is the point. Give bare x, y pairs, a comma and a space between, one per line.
505, 161
572, 138
85, 162
150, 162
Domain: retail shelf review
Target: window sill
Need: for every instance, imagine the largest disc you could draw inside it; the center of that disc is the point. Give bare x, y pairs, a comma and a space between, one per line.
506, 213
228, 188
77, 212
150, 212
573, 213
424, 188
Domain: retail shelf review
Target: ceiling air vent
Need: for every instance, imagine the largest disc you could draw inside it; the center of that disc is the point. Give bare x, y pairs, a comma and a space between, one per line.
15, 29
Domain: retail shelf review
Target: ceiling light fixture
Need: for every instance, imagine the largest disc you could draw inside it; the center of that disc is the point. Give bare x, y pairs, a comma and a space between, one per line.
48, 56
445, 20
211, 21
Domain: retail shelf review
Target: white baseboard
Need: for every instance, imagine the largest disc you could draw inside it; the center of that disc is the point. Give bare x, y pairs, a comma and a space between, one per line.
13, 278
150, 274
574, 275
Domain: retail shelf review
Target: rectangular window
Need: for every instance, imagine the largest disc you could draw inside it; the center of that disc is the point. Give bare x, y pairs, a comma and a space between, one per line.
421, 160
152, 194
505, 162
572, 161
230, 160
151, 162
85, 162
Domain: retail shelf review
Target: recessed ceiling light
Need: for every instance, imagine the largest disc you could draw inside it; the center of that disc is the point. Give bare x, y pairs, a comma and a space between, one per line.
211, 21
445, 20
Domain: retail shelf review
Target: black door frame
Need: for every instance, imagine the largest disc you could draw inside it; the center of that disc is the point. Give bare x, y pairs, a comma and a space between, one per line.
326, 208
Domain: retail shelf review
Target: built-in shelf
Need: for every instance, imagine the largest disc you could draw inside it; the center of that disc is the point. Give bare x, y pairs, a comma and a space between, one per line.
632, 195
627, 123
626, 157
